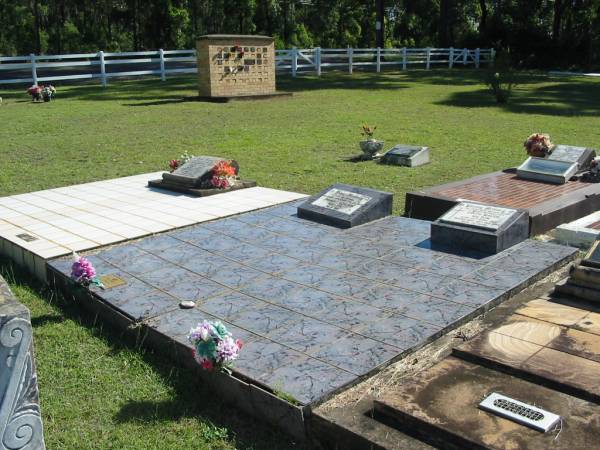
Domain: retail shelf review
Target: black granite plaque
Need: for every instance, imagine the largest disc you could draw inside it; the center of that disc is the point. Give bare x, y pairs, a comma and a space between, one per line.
485, 228
346, 206
568, 153
406, 155
194, 172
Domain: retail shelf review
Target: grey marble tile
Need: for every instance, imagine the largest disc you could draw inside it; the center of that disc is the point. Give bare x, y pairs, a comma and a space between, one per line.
269, 287
285, 210
307, 253
281, 244
465, 292
449, 266
377, 269
308, 379
147, 305
195, 289
307, 274
498, 277
263, 318
246, 253
416, 280
230, 226
183, 253
235, 275
342, 261
356, 354
307, 335
351, 315
255, 218
344, 284
412, 256
260, 357
368, 248
193, 234
122, 256
253, 235
275, 263
400, 331
179, 321
133, 287
142, 264
279, 225
304, 300
206, 266
220, 243
157, 243
168, 276
227, 304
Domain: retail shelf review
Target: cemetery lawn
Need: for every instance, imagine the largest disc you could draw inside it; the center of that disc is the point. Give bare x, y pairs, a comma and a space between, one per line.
100, 391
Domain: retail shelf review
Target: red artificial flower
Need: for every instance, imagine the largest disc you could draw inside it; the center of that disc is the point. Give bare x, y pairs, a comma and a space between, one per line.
173, 164
207, 364
239, 343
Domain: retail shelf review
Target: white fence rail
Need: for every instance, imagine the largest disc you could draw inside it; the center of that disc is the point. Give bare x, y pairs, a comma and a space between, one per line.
30, 69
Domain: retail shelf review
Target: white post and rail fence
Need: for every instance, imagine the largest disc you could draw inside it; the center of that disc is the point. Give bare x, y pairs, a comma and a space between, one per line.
34, 69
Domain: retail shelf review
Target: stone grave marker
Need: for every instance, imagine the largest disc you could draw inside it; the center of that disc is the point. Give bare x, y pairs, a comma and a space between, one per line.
547, 170
568, 153
346, 206
485, 228
192, 173
406, 155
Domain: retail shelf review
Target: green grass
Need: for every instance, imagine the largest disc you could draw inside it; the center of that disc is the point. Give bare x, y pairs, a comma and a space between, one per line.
98, 390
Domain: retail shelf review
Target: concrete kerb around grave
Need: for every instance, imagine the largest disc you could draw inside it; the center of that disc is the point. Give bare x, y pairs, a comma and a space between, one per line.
20, 419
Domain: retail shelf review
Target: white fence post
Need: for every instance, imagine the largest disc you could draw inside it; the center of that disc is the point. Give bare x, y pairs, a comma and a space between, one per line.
451, 58
163, 74
102, 68
318, 60
465, 55
428, 64
477, 54
33, 69
404, 58
378, 59
350, 54
294, 61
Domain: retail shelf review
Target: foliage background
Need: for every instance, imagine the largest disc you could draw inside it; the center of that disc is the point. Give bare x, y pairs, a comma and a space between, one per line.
539, 33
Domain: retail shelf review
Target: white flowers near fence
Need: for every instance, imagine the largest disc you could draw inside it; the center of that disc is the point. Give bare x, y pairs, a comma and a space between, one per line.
34, 69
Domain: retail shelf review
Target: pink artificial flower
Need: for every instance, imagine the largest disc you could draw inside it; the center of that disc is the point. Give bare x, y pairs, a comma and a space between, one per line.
173, 164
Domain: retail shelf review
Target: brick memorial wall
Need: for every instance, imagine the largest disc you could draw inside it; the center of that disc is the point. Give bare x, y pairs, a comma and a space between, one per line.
236, 66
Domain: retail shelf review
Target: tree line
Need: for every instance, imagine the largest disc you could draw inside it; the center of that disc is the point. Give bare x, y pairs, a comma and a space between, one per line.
537, 33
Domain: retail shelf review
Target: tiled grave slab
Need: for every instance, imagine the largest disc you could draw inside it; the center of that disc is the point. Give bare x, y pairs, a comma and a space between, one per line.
548, 205
46, 224
581, 232
321, 306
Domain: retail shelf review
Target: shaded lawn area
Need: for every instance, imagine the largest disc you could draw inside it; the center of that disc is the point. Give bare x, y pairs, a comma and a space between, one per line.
99, 391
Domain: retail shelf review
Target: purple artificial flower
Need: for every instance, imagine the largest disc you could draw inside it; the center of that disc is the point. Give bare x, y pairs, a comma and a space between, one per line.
227, 350
82, 270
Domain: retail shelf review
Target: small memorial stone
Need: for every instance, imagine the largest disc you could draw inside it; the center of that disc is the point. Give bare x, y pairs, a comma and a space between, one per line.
194, 172
568, 153
187, 304
547, 170
406, 155
346, 206
485, 228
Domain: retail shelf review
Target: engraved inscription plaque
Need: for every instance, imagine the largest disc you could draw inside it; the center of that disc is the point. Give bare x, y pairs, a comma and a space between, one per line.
344, 202
567, 153
111, 281
477, 215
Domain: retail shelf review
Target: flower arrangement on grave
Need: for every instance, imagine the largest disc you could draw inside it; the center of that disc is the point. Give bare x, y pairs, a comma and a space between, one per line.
36, 93
83, 272
214, 346
224, 175
175, 163
48, 93
593, 175
539, 145
370, 146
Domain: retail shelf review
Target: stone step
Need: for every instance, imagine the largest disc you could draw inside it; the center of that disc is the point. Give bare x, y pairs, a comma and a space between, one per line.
579, 289
561, 357
440, 405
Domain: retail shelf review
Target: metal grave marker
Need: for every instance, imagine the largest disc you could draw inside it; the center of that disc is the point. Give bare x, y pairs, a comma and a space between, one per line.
111, 281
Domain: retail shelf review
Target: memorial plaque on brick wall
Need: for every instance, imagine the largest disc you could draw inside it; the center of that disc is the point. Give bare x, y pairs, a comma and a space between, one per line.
406, 155
346, 206
568, 153
485, 228
193, 172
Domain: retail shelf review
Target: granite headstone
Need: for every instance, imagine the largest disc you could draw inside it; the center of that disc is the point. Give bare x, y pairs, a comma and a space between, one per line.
194, 173
485, 228
547, 170
406, 155
571, 154
346, 206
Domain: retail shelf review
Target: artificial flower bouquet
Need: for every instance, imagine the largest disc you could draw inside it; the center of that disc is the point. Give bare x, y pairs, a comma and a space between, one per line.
214, 346
42, 93
36, 93
83, 272
539, 145
48, 93
224, 175
176, 163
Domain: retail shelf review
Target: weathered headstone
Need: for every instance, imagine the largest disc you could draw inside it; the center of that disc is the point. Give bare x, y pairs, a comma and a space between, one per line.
194, 172
547, 170
406, 155
346, 206
20, 419
568, 153
485, 228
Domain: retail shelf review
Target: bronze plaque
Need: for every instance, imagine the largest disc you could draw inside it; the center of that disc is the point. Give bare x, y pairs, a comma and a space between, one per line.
112, 281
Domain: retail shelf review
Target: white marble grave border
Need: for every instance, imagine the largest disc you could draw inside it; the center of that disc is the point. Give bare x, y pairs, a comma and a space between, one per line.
91, 215
577, 233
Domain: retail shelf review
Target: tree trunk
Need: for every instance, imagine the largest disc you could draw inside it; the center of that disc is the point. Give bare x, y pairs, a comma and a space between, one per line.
484, 16
37, 21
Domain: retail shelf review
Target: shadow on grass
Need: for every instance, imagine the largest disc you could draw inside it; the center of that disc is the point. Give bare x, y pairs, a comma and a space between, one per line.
191, 399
